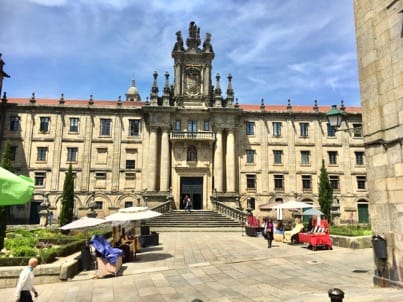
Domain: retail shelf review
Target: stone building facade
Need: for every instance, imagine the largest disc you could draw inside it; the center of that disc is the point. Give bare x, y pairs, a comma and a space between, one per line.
379, 31
186, 139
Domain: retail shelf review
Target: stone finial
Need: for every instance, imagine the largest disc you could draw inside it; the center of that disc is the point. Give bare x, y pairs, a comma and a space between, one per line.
230, 92
119, 103
32, 99
61, 100
342, 108
236, 103
154, 90
315, 106
262, 106
4, 98
289, 107
91, 101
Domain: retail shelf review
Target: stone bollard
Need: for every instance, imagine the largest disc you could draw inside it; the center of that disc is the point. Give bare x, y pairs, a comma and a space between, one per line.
336, 295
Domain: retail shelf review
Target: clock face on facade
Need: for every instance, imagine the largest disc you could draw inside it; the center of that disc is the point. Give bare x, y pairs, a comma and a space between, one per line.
192, 81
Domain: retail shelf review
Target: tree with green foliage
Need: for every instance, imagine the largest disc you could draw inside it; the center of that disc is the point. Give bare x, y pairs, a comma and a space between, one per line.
325, 192
66, 215
5, 164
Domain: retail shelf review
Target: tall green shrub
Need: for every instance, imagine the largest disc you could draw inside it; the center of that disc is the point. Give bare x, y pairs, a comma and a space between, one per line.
66, 215
325, 192
5, 164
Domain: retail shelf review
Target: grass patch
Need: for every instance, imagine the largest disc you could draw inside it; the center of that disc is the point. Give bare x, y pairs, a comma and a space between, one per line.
351, 230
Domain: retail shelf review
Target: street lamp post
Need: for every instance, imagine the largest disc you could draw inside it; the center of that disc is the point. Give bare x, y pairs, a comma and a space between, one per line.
334, 117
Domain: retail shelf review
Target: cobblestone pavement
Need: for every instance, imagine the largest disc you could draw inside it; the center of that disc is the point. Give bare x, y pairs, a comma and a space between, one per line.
226, 266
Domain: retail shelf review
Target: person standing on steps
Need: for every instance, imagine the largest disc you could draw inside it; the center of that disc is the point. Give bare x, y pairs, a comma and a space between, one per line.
188, 203
26, 283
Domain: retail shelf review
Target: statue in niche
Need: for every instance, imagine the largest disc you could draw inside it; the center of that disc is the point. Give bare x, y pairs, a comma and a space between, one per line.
192, 81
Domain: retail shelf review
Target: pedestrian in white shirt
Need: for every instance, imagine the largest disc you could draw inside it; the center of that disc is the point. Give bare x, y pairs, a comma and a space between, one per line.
26, 283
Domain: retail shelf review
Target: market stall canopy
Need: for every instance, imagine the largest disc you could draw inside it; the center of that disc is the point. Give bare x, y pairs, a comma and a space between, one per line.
314, 212
83, 222
14, 189
133, 214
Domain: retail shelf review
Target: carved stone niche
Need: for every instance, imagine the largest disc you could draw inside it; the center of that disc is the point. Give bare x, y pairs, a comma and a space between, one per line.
193, 81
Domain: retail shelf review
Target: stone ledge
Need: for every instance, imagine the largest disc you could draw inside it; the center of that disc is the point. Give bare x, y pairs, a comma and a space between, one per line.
352, 242
62, 269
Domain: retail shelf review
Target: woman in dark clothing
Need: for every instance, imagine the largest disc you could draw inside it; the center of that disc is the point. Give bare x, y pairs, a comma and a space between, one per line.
268, 231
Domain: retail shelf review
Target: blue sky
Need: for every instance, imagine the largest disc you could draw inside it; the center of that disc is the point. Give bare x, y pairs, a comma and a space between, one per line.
275, 49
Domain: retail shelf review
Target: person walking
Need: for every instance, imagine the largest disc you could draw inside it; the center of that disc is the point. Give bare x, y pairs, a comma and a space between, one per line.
268, 229
26, 283
188, 203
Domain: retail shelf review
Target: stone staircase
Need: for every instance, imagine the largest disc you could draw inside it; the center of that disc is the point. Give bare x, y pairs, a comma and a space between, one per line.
202, 220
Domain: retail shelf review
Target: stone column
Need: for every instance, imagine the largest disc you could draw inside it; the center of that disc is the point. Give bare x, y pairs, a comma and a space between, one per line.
165, 154
218, 162
152, 160
230, 161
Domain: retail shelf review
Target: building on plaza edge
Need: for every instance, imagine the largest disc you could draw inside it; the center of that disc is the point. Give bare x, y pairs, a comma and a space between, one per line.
186, 138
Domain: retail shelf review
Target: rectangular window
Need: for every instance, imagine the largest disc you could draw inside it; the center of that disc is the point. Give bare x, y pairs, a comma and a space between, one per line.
42, 152
134, 127
331, 132
206, 125
44, 124
73, 127
332, 157
130, 176
72, 154
276, 129
279, 182
178, 125
192, 126
306, 182
303, 129
106, 127
100, 180
14, 123
305, 157
357, 130
278, 156
130, 164
128, 204
40, 179
359, 158
251, 181
98, 205
13, 152
250, 128
250, 156
334, 182
361, 182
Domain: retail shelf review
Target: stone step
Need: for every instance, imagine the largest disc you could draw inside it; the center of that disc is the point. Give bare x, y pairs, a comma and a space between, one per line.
197, 219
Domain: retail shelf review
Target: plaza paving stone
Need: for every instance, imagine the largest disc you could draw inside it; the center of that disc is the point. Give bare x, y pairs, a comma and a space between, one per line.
226, 266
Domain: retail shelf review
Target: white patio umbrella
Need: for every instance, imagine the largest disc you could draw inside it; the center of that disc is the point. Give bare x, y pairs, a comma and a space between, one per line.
82, 223
292, 204
132, 214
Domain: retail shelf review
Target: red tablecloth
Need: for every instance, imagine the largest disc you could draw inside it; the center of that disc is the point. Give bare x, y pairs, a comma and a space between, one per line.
315, 239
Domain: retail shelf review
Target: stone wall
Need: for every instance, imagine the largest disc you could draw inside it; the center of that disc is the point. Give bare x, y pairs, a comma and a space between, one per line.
379, 31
